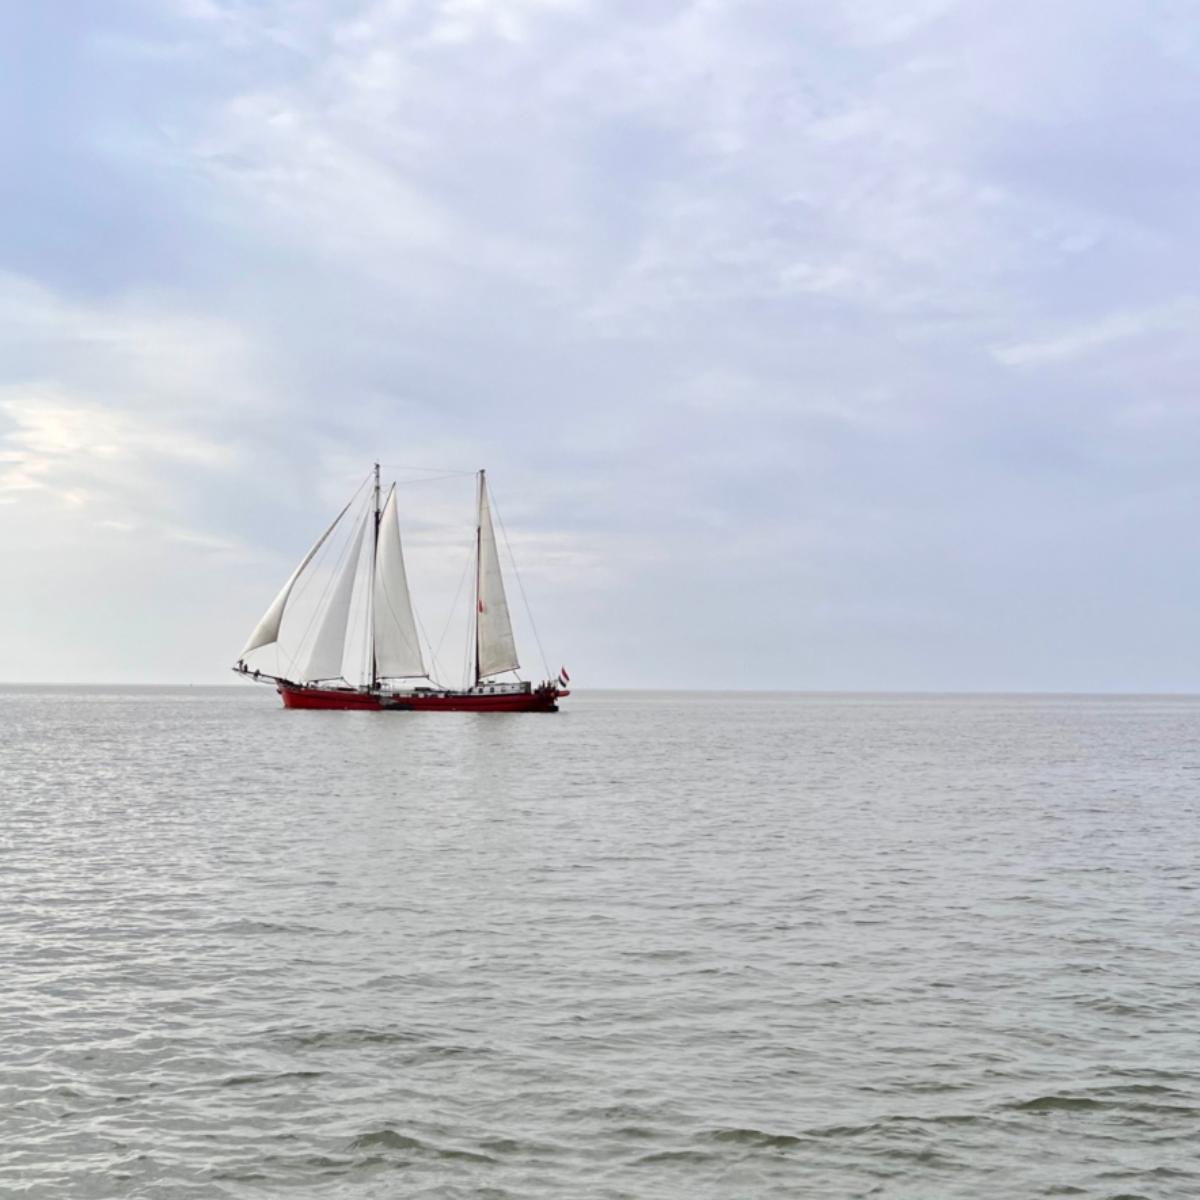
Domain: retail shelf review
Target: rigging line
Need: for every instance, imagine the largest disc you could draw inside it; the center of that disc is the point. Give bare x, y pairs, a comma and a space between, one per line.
420, 629
358, 623
306, 579
468, 658
447, 471
432, 479
388, 599
305, 582
395, 617
472, 622
428, 645
349, 633
453, 605
320, 606
520, 584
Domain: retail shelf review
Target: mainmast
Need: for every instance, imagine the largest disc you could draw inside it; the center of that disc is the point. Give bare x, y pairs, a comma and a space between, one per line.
371, 591
478, 570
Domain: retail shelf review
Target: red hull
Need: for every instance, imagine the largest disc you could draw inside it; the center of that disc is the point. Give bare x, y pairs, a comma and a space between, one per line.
540, 700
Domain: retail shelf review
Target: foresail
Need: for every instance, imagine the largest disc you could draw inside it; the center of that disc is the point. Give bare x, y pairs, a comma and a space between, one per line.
267, 630
397, 650
326, 660
495, 646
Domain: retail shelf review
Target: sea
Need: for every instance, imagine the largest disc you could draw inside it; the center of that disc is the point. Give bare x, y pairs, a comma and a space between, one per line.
657, 946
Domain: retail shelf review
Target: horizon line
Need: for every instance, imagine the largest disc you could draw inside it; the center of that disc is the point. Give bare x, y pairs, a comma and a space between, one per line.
931, 692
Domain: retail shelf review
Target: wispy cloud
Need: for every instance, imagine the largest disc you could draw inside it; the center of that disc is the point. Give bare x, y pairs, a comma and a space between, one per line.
1108, 332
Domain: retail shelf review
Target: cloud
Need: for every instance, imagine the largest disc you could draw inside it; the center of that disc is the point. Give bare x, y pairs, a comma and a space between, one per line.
509, 20
1108, 332
789, 307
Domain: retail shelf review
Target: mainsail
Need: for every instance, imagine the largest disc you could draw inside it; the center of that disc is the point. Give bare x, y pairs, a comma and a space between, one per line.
267, 630
326, 660
495, 649
397, 650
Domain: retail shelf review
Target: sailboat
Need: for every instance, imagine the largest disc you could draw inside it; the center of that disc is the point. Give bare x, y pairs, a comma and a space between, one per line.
395, 676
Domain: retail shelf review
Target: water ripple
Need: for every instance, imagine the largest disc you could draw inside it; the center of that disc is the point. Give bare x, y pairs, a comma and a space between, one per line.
664, 947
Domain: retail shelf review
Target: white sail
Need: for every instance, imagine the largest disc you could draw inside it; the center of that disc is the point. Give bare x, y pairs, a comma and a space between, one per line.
397, 650
496, 650
329, 646
267, 630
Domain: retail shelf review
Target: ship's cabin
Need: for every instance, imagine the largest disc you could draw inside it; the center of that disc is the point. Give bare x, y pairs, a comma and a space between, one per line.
490, 688
486, 688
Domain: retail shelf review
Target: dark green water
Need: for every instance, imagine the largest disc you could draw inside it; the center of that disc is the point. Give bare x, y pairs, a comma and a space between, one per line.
676, 946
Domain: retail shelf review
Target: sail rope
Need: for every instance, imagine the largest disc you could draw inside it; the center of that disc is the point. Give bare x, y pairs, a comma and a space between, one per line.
381, 584
330, 583
432, 479
520, 583
419, 628
472, 636
303, 584
399, 624
433, 666
305, 580
434, 654
436, 473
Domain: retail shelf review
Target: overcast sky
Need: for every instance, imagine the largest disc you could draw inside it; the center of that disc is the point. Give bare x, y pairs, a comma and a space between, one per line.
826, 344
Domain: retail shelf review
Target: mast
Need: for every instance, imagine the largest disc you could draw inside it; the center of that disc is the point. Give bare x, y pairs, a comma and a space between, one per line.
371, 592
478, 569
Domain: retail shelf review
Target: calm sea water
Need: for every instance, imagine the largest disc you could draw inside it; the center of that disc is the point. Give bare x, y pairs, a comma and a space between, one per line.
677, 946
